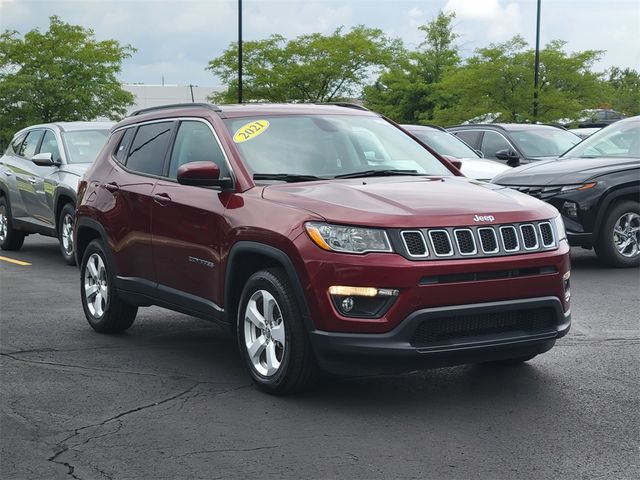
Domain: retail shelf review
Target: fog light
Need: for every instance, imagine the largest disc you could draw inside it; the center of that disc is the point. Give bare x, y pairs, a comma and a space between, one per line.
570, 209
368, 302
567, 286
347, 304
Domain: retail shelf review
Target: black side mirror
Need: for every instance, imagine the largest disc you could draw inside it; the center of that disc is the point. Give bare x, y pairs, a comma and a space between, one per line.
508, 155
44, 159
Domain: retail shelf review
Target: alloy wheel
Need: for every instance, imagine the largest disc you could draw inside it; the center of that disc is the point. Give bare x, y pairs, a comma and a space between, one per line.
67, 234
3, 223
264, 333
626, 234
96, 288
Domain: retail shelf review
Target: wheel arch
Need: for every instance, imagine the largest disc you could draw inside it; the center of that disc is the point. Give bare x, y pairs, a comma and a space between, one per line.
246, 258
61, 198
87, 230
613, 196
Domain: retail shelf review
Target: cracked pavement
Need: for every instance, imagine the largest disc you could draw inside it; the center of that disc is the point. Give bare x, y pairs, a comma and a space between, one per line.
169, 398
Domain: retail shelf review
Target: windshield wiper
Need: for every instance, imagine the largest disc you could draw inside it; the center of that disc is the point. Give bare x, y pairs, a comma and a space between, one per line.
285, 177
378, 173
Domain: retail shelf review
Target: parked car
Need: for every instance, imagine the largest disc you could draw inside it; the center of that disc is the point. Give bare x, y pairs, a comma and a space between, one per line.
317, 251
599, 117
39, 176
596, 188
450, 146
515, 143
584, 132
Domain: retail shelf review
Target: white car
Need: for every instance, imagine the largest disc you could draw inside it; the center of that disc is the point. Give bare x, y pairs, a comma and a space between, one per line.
451, 147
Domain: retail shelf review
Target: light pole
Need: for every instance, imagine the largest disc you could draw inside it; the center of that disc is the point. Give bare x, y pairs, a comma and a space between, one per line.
536, 68
239, 51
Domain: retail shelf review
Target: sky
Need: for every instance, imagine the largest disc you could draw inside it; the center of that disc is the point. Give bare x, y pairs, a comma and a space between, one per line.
176, 39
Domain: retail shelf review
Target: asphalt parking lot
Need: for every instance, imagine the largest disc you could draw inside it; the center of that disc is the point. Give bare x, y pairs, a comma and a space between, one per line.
169, 398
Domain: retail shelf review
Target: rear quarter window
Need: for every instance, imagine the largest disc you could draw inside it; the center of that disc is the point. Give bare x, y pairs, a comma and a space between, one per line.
149, 148
470, 137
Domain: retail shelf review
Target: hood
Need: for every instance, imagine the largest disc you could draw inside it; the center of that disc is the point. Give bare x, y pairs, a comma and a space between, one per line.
409, 201
481, 169
75, 168
565, 172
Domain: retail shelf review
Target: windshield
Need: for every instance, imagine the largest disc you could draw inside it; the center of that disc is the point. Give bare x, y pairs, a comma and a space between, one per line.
445, 144
83, 146
547, 142
621, 139
328, 146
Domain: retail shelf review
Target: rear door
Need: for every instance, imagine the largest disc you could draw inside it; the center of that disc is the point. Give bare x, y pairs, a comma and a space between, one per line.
27, 174
140, 157
188, 224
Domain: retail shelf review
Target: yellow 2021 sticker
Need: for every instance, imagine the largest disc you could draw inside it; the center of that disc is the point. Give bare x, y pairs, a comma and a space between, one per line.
250, 130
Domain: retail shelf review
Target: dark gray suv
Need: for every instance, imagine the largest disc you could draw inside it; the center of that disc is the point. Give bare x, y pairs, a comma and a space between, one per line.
39, 176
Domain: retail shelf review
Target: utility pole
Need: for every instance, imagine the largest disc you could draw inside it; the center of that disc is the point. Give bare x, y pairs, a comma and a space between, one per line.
191, 88
536, 68
239, 51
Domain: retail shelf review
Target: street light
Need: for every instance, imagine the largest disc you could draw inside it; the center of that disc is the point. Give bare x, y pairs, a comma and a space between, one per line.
239, 51
536, 68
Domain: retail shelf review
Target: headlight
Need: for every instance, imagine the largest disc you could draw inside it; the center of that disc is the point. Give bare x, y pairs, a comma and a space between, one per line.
581, 186
559, 225
339, 238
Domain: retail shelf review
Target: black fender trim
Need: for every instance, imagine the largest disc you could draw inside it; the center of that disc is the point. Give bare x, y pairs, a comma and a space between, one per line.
282, 258
91, 224
60, 191
609, 198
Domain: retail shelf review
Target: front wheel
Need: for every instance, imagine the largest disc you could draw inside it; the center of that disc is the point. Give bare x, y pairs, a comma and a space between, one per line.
271, 335
65, 234
618, 243
105, 311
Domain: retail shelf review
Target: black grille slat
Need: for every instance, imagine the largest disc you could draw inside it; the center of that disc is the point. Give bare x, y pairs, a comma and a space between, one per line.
509, 238
529, 236
466, 244
546, 233
441, 242
415, 244
443, 330
488, 240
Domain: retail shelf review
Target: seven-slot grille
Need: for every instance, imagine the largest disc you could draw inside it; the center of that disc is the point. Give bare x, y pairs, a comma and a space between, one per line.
478, 241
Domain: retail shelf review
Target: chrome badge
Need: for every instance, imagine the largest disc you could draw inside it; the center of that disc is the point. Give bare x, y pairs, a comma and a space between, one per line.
483, 218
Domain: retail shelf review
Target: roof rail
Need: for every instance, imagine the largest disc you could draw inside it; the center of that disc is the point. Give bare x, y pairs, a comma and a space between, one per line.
210, 106
355, 106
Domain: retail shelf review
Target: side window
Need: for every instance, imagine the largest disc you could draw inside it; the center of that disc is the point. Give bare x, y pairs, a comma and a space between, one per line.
50, 145
123, 146
17, 143
149, 148
471, 137
195, 143
492, 142
28, 148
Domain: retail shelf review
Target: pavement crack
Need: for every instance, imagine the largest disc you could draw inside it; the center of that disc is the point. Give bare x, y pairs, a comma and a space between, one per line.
224, 450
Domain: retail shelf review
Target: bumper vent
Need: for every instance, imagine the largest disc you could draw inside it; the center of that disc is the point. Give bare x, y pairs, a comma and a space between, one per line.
438, 331
475, 241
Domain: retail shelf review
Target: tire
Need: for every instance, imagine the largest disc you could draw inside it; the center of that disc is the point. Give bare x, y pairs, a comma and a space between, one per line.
511, 361
65, 233
283, 362
105, 315
618, 243
10, 239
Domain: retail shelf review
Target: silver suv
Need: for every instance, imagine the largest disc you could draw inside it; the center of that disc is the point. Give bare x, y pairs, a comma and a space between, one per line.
39, 176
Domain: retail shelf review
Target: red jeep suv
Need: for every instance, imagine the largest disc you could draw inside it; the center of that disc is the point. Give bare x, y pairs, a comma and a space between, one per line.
325, 236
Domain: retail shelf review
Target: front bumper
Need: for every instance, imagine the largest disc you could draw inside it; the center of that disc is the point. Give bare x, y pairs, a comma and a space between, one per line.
395, 351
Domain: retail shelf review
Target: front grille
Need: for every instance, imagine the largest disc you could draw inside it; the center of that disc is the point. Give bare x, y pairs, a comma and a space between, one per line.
476, 241
529, 237
414, 243
441, 242
438, 331
543, 193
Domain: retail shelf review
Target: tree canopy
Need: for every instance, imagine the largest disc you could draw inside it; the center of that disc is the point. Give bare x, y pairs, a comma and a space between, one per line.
309, 68
63, 74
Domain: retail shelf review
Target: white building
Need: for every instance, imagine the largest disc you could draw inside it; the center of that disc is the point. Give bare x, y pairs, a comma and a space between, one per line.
156, 95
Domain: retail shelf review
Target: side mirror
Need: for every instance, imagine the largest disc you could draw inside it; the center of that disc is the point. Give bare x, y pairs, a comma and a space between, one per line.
511, 157
202, 174
44, 159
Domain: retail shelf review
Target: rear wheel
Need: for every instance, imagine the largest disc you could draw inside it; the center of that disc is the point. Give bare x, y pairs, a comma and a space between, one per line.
272, 337
105, 311
10, 239
65, 233
618, 243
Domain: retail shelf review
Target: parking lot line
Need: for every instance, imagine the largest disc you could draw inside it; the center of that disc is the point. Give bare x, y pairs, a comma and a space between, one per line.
17, 262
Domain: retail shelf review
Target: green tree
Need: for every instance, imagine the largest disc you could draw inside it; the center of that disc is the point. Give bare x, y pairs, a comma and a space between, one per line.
499, 80
309, 68
63, 74
406, 92
624, 90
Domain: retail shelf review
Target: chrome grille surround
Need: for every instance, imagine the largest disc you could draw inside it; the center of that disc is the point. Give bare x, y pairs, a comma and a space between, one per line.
487, 240
411, 249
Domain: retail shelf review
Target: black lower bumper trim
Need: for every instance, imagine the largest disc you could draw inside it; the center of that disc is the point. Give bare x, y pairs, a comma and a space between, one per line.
359, 354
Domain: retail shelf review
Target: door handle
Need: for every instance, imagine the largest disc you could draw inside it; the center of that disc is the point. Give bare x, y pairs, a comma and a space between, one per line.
162, 198
112, 186
32, 180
